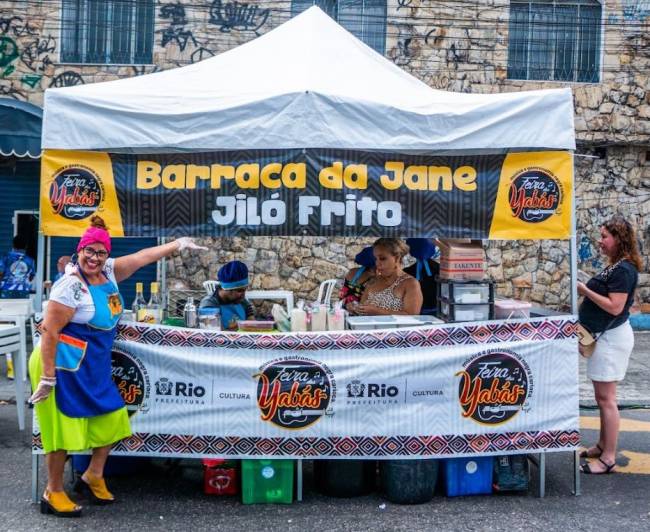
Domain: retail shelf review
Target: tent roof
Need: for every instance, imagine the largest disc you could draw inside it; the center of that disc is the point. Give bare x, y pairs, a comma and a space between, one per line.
20, 128
306, 84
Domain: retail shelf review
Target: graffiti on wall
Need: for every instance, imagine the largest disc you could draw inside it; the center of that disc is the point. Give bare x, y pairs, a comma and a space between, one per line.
36, 54
407, 47
25, 55
237, 16
67, 79
176, 32
17, 27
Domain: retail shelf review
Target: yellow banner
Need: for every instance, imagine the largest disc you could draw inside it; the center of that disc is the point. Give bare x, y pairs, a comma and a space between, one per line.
74, 187
534, 197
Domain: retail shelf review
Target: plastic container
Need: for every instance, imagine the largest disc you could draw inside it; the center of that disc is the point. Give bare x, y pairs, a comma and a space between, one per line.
408, 481
210, 318
458, 312
345, 478
468, 476
465, 293
511, 308
511, 473
336, 320
256, 325
220, 477
319, 318
298, 320
267, 481
115, 465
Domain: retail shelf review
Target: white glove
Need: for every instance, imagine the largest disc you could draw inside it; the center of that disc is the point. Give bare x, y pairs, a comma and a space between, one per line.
43, 390
185, 242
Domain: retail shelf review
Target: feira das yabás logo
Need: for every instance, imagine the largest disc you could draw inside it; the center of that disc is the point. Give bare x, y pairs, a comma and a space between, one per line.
535, 195
294, 392
75, 192
131, 379
494, 386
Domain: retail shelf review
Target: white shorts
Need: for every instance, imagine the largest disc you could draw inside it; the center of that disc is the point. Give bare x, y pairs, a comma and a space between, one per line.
612, 354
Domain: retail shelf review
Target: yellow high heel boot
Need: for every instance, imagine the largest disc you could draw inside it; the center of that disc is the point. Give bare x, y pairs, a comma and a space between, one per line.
95, 488
59, 504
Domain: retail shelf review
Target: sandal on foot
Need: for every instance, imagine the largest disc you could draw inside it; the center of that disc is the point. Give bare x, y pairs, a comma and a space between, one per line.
585, 453
95, 488
59, 504
609, 468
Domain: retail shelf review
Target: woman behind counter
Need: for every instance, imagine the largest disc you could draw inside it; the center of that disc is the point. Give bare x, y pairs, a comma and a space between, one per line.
391, 291
73, 360
608, 297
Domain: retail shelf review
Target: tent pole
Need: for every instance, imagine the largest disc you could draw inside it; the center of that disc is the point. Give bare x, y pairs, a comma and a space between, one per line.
40, 271
573, 254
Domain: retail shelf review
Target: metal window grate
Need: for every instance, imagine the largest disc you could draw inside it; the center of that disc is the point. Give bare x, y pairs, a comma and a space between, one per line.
553, 40
107, 31
365, 19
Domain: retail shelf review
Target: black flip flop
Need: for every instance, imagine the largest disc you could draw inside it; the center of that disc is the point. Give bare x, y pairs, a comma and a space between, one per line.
584, 454
609, 468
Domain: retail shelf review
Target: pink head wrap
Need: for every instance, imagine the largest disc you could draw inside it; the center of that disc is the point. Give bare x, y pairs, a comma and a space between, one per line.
95, 234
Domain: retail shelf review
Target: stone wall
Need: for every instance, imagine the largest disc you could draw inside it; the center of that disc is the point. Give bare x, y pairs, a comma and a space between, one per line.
457, 46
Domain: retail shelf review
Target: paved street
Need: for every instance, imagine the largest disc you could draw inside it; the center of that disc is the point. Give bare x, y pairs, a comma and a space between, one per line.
170, 498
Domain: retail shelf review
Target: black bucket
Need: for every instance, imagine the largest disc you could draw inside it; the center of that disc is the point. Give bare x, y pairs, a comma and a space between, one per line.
345, 478
408, 481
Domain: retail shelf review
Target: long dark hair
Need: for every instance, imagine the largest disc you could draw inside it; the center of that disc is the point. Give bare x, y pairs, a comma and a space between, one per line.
625, 237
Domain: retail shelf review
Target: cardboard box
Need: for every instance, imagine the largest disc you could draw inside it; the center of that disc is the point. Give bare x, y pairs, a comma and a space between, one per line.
454, 250
462, 270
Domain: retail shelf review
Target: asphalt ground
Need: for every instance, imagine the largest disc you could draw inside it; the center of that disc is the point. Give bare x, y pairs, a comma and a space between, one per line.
168, 495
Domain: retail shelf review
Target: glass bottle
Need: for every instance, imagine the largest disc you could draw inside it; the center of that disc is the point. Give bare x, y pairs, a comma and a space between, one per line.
139, 305
154, 308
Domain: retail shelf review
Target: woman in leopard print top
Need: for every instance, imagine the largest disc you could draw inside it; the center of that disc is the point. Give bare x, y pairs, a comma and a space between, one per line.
391, 291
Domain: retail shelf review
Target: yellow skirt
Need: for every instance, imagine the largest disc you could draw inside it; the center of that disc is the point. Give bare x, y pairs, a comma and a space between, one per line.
60, 432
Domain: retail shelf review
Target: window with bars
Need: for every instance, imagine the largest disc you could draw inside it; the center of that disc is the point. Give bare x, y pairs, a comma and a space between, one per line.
107, 31
555, 40
365, 19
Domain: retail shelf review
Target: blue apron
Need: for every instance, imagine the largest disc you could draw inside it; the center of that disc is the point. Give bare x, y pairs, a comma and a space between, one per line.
85, 385
231, 311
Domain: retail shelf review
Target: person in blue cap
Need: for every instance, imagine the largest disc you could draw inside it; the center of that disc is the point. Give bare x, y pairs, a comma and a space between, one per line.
230, 295
357, 278
425, 270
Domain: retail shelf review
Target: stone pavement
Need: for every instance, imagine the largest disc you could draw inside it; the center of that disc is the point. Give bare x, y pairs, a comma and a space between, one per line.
634, 390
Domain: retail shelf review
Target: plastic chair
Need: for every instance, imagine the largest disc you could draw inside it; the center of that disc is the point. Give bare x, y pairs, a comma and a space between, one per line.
210, 286
325, 291
12, 340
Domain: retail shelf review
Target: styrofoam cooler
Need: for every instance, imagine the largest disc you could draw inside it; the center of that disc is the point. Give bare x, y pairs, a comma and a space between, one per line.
511, 308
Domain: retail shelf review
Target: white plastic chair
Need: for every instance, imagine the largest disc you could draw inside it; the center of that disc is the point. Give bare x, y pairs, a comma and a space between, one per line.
325, 291
12, 340
18, 312
210, 286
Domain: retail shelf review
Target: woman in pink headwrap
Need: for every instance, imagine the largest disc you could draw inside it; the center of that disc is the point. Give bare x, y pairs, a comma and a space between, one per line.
77, 405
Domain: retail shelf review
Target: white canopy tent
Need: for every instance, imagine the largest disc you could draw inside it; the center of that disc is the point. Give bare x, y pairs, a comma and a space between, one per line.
306, 84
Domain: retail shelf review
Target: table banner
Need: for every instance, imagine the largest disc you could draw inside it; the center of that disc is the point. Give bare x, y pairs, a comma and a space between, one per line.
315, 192
453, 390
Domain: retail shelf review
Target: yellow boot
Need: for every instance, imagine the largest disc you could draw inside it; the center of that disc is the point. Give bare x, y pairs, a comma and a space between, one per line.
95, 488
59, 504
